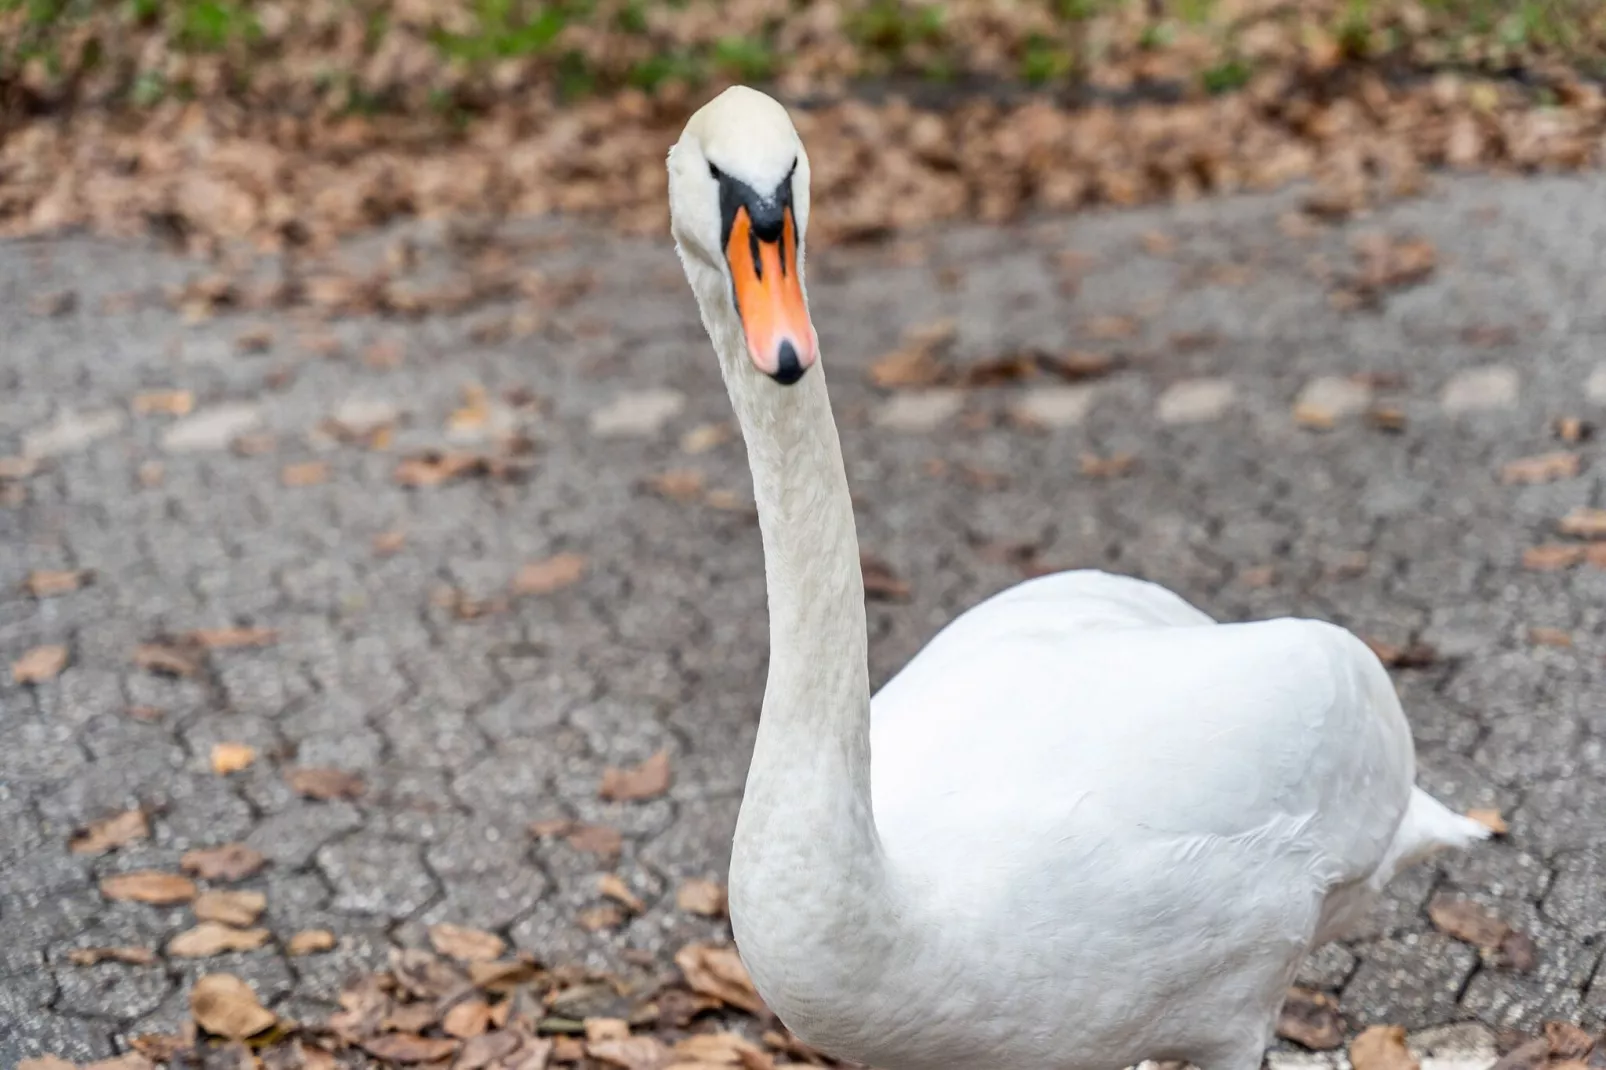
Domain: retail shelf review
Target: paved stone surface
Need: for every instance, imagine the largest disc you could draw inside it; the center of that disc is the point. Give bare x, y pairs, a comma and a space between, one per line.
471, 713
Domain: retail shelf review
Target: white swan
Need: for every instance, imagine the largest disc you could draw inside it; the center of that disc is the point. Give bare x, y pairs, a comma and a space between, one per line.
1086, 825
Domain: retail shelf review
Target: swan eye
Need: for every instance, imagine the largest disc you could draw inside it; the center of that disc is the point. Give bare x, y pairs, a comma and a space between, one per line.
716, 173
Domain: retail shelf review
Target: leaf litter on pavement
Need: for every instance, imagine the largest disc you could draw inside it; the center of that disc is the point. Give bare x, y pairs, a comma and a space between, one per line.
1367, 140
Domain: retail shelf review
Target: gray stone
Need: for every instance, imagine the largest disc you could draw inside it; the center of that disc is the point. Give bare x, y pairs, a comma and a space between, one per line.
1481, 390
1055, 406
919, 411
377, 876
1195, 401
71, 431
640, 413
211, 429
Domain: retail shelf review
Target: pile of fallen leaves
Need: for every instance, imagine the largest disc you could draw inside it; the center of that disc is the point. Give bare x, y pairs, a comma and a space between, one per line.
201, 172
317, 119
468, 1005
1559, 1046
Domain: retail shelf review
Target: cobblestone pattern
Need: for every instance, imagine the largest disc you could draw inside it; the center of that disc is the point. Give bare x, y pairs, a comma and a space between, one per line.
466, 730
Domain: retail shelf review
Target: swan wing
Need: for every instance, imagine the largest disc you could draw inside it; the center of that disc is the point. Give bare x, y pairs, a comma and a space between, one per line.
1081, 714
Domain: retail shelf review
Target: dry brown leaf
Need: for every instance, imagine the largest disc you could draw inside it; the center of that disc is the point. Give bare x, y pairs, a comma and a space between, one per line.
210, 938
1112, 326
517, 1051
39, 665
53, 303
1386, 418
148, 886
252, 445
718, 972
467, 1019
306, 474
1311, 1020
553, 574
1529, 1055
1543, 468
677, 484
613, 887
409, 1048
1158, 243
631, 1053
412, 1017
325, 784
231, 757
1467, 921
914, 362
1314, 417
704, 437
1258, 576
230, 908
476, 410
1572, 429
1076, 365
256, 339
435, 467
605, 1029
129, 956
111, 833
172, 1047
164, 403
1492, 820
167, 659
1112, 467
225, 1006
648, 780
385, 354
881, 584
1382, 1047
1412, 655
1584, 523
1517, 952
48, 583
727, 500
1568, 1041
499, 977
465, 944
310, 942
46, 1062
1552, 557
228, 863
725, 1049
596, 919
600, 840
703, 897
231, 638
1557, 637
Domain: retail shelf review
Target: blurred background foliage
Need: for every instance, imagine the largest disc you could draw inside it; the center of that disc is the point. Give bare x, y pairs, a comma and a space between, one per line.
448, 59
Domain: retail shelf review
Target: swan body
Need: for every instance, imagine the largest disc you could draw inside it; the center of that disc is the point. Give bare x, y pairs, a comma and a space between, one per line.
1087, 825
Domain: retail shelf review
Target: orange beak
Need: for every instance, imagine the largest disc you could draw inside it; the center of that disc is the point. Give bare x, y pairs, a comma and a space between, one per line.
769, 298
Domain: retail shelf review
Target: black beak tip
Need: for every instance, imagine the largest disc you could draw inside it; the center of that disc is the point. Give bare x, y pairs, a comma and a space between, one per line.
788, 369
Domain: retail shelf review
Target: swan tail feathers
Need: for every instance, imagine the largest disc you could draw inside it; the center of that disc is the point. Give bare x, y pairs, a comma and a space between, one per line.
1428, 828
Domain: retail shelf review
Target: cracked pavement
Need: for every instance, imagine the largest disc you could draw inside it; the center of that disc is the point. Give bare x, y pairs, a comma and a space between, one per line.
467, 730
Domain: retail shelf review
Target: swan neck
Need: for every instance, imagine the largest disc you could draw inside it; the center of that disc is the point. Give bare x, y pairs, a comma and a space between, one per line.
808, 877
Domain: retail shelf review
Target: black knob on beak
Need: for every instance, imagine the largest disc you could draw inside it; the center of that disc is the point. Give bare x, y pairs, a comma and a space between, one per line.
788, 369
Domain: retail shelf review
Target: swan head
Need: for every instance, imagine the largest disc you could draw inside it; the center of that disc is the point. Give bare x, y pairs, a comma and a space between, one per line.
739, 207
